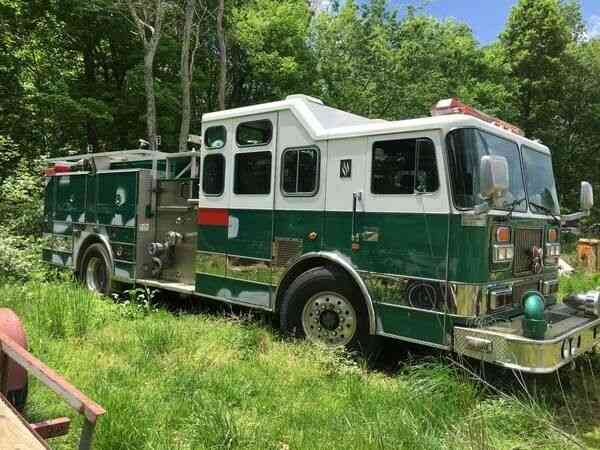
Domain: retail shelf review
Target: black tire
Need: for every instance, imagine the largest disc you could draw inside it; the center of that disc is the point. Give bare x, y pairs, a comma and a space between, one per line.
18, 398
96, 270
325, 280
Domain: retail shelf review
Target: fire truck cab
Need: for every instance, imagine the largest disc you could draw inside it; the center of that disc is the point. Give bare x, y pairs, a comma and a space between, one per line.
442, 231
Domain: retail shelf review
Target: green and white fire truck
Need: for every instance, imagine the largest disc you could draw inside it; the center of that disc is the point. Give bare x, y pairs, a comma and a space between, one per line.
442, 231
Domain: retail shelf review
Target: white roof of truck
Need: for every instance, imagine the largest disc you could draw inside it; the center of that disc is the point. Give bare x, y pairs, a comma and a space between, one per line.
323, 122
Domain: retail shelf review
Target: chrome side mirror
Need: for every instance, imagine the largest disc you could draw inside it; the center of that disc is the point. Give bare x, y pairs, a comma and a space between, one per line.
586, 198
493, 176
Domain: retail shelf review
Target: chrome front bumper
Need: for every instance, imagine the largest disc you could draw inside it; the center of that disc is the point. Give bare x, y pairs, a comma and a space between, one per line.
569, 335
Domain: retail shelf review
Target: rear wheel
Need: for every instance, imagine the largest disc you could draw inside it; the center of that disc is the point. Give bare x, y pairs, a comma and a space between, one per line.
324, 306
96, 273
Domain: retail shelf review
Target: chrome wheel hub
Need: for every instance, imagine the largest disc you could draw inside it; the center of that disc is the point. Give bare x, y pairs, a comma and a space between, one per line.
329, 318
95, 275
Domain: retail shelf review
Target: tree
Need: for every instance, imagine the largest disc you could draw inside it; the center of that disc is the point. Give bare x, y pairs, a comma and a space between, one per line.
556, 87
535, 42
148, 17
374, 63
275, 58
188, 55
222, 54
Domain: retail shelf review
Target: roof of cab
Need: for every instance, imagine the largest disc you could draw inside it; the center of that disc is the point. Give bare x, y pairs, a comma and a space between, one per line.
323, 122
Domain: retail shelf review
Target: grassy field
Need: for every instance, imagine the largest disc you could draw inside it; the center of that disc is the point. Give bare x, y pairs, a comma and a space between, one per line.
213, 378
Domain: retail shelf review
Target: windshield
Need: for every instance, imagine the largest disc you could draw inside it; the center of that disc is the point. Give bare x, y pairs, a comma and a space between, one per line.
466, 147
540, 181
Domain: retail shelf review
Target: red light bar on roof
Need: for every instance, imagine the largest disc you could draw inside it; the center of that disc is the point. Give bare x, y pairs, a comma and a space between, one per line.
455, 106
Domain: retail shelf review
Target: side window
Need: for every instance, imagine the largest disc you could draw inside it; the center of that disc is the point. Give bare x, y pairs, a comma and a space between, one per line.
215, 137
300, 171
427, 173
213, 174
252, 173
404, 167
258, 132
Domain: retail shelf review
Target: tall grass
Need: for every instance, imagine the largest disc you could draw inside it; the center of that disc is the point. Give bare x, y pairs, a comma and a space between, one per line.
205, 381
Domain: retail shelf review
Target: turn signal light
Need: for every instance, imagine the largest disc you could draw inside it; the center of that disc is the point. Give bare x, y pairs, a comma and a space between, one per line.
503, 234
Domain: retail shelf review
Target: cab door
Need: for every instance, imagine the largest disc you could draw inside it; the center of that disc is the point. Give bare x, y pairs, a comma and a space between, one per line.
403, 234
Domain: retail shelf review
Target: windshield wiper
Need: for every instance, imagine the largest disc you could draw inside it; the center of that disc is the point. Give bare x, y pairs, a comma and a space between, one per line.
546, 210
513, 205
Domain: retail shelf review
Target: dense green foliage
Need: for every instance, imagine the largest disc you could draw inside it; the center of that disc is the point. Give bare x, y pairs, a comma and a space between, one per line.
71, 72
204, 381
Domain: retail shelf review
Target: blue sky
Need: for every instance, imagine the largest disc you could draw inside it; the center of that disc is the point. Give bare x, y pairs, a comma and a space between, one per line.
488, 17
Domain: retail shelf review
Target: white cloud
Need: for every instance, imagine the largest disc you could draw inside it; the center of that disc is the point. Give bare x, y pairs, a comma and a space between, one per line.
593, 29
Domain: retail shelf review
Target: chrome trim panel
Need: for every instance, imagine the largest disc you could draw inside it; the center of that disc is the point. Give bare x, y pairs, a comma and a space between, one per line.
249, 269
211, 263
386, 289
58, 242
467, 299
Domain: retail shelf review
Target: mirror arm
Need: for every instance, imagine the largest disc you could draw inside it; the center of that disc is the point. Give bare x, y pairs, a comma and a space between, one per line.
482, 208
573, 217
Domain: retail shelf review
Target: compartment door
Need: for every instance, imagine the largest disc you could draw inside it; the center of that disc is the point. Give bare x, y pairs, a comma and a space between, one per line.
299, 195
235, 212
250, 227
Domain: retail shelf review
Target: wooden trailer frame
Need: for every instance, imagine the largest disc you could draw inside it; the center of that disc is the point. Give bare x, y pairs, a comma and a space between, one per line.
10, 350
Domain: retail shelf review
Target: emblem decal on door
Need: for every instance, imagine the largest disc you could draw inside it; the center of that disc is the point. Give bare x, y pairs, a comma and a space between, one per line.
346, 168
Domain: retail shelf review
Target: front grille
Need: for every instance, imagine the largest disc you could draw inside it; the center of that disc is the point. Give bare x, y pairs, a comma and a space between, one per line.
525, 240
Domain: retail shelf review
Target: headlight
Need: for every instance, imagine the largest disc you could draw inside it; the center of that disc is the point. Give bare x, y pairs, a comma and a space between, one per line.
552, 250
503, 253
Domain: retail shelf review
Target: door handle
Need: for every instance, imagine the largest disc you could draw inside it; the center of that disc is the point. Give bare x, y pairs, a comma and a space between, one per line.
356, 197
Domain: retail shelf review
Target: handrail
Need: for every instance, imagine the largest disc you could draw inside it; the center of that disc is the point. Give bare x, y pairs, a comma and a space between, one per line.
69, 393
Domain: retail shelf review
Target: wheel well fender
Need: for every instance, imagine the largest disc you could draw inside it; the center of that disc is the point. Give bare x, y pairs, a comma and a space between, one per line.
319, 259
86, 243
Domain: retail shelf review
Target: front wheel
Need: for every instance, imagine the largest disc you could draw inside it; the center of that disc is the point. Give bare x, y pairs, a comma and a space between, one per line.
96, 273
323, 305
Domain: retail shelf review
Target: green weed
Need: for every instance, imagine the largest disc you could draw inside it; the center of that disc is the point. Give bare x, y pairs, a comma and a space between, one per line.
205, 381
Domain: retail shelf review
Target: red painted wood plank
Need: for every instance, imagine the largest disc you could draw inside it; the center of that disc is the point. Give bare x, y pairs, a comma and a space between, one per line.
75, 398
52, 428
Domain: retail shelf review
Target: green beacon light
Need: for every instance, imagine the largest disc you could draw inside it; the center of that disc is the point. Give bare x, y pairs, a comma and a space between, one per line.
534, 324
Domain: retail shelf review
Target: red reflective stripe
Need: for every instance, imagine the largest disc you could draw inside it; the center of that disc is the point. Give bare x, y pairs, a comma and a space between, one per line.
62, 168
213, 216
